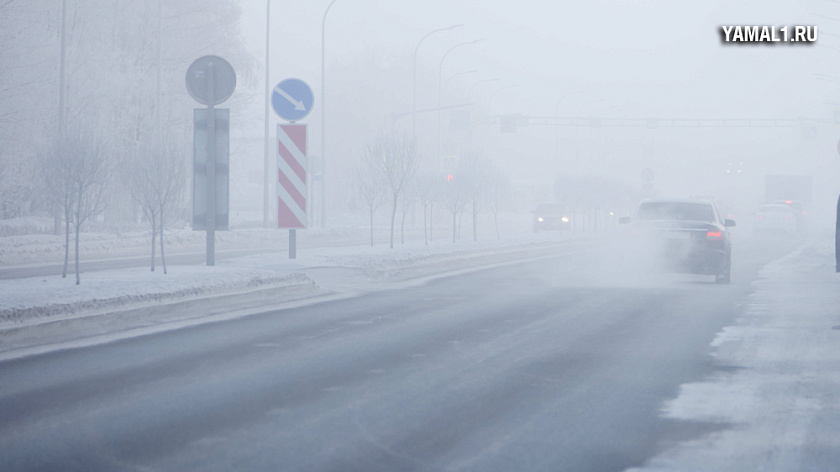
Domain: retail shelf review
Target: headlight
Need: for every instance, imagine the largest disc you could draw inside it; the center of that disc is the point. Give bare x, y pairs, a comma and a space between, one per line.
565, 219
540, 219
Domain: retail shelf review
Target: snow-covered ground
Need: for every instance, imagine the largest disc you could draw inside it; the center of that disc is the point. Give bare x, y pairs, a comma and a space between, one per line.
30, 301
47, 248
26, 241
779, 404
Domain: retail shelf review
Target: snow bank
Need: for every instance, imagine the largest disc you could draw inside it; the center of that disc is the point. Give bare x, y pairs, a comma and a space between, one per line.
30, 301
781, 407
34, 300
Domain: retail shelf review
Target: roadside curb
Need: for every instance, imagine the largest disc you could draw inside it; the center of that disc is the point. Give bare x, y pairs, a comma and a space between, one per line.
29, 316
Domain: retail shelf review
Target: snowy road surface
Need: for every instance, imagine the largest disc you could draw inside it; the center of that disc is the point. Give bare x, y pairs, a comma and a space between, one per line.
562, 364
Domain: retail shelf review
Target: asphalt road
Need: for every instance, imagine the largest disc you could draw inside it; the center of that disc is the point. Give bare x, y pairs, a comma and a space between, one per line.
554, 365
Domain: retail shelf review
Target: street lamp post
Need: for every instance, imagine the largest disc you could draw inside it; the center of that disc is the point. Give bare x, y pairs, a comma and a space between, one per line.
473, 86
556, 126
324, 120
446, 84
267, 161
469, 100
440, 84
414, 79
490, 102
493, 95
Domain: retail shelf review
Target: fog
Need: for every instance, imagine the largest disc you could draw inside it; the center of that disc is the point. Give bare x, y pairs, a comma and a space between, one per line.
591, 87
633, 60
521, 235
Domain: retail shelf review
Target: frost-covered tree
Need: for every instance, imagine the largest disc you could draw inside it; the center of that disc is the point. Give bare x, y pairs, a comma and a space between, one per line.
455, 197
124, 74
75, 172
396, 159
426, 191
370, 187
155, 179
498, 191
92, 167
56, 172
474, 175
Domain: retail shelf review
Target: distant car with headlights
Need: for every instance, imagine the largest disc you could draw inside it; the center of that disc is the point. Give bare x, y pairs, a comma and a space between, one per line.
776, 219
683, 236
551, 217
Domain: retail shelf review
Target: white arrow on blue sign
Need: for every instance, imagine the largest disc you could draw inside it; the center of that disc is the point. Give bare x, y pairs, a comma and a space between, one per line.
292, 99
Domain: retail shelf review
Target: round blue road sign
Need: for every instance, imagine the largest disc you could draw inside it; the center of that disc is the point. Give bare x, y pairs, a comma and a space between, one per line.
292, 99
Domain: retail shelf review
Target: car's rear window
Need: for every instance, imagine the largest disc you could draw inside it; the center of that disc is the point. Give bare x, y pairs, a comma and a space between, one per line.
676, 211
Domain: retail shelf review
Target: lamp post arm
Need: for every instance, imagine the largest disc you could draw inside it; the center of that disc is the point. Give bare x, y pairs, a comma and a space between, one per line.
414, 76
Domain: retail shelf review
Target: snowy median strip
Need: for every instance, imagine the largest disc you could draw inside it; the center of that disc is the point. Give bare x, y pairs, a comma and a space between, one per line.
42, 299
32, 301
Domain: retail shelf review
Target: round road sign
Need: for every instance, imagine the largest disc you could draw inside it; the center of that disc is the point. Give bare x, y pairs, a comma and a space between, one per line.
292, 99
224, 80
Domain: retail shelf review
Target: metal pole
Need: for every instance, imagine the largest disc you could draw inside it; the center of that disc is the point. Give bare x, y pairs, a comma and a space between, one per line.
493, 95
61, 71
292, 244
446, 84
324, 120
211, 164
440, 87
469, 100
267, 161
414, 79
159, 67
556, 130
473, 86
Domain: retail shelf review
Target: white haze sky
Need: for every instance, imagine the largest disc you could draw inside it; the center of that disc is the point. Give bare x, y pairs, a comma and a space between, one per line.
645, 57
624, 59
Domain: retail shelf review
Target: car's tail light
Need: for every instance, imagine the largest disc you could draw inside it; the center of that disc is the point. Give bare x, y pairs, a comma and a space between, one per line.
789, 217
714, 235
760, 217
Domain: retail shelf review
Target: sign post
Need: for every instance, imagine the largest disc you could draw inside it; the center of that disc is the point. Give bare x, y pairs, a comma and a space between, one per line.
210, 80
292, 100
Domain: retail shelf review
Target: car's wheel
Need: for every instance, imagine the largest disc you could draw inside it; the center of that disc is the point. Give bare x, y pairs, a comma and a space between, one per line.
724, 277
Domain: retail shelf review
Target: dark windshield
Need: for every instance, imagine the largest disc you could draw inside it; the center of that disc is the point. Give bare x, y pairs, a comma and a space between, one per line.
676, 211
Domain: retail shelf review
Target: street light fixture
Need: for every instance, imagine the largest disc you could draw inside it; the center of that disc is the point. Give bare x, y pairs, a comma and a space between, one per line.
470, 91
493, 95
446, 84
414, 78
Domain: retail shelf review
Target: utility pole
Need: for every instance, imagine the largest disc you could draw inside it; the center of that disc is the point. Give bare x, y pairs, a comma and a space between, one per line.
324, 120
267, 173
61, 70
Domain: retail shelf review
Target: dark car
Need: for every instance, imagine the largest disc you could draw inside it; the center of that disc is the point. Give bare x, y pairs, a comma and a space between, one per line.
685, 236
551, 217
